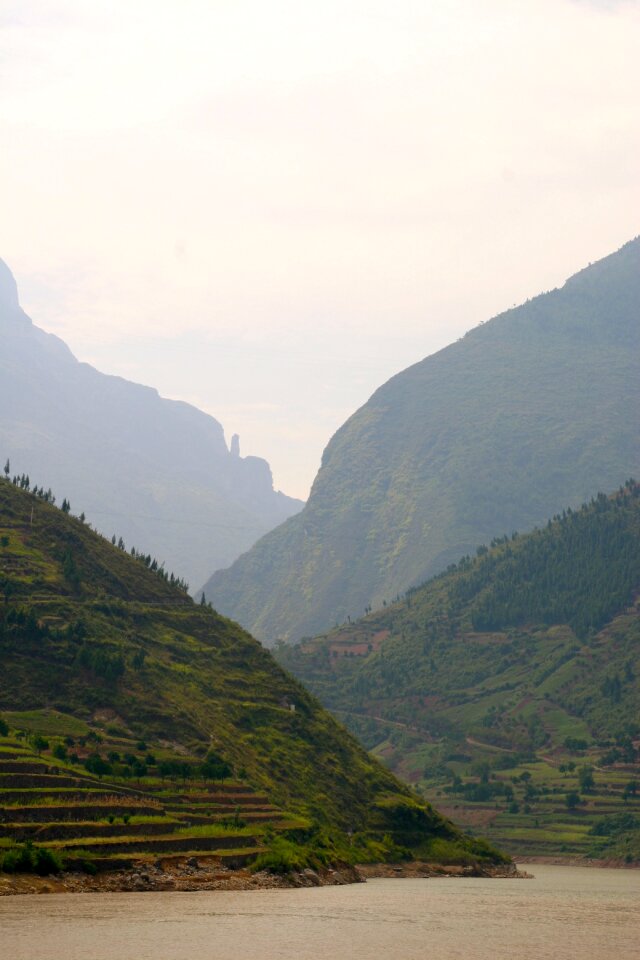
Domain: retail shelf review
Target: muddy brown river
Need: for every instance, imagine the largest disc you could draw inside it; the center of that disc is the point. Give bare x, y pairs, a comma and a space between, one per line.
565, 913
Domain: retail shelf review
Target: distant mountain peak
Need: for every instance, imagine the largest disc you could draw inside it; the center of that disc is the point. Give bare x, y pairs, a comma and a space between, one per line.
155, 471
8, 288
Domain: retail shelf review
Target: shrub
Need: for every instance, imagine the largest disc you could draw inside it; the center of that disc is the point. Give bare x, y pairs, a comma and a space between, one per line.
38, 743
18, 860
46, 861
284, 856
30, 859
96, 765
466, 851
615, 824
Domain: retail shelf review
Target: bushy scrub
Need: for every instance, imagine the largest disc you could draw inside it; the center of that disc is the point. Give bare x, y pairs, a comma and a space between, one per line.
463, 851
285, 856
315, 848
28, 858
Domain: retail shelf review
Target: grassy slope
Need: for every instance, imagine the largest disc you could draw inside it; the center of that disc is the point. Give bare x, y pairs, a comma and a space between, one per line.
191, 679
526, 414
549, 685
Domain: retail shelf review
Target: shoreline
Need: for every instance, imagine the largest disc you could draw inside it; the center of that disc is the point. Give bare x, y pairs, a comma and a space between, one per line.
561, 861
420, 869
190, 874
187, 874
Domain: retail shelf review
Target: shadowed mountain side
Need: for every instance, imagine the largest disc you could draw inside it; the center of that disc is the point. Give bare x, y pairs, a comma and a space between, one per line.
155, 471
527, 413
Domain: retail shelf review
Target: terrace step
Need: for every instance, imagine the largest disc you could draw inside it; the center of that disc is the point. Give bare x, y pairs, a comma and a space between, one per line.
78, 812
221, 809
13, 781
23, 766
24, 797
200, 819
209, 786
57, 780
39, 832
239, 800
234, 860
176, 844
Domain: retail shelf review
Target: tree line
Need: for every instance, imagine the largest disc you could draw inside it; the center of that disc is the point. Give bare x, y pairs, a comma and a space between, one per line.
23, 482
581, 569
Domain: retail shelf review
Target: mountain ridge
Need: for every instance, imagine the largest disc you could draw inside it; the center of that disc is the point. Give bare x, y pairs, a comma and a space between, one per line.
160, 468
526, 413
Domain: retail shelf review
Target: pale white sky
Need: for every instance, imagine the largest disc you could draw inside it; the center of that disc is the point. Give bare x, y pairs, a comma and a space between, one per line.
268, 209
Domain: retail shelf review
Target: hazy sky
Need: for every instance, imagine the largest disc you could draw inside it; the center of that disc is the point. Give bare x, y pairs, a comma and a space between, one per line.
268, 209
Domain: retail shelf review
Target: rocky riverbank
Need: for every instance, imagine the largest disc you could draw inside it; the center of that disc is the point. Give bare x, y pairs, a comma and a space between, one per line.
207, 873
175, 873
421, 869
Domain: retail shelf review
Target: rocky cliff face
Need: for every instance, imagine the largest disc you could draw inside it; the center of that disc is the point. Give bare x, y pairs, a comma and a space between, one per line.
156, 472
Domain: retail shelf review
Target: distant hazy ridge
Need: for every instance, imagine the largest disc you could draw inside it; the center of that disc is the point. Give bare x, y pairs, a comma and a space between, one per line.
155, 471
531, 412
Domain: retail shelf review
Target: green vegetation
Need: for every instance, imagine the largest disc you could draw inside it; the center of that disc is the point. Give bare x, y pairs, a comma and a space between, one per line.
528, 413
618, 836
507, 688
137, 722
27, 858
580, 571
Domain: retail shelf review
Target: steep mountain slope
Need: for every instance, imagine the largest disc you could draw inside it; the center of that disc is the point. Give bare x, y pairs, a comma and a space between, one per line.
522, 660
155, 471
526, 414
93, 637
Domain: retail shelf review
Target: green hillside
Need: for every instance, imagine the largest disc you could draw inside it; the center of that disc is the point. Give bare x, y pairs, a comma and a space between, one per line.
115, 688
525, 415
508, 688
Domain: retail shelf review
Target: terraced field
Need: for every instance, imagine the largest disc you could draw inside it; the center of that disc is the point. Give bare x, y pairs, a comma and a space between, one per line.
546, 806
96, 823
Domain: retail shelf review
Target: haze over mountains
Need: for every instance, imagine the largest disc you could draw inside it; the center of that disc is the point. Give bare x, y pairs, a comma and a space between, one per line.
156, 472
531, 412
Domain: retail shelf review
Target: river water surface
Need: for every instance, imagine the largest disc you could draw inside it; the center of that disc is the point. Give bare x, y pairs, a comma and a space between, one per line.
565, 913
